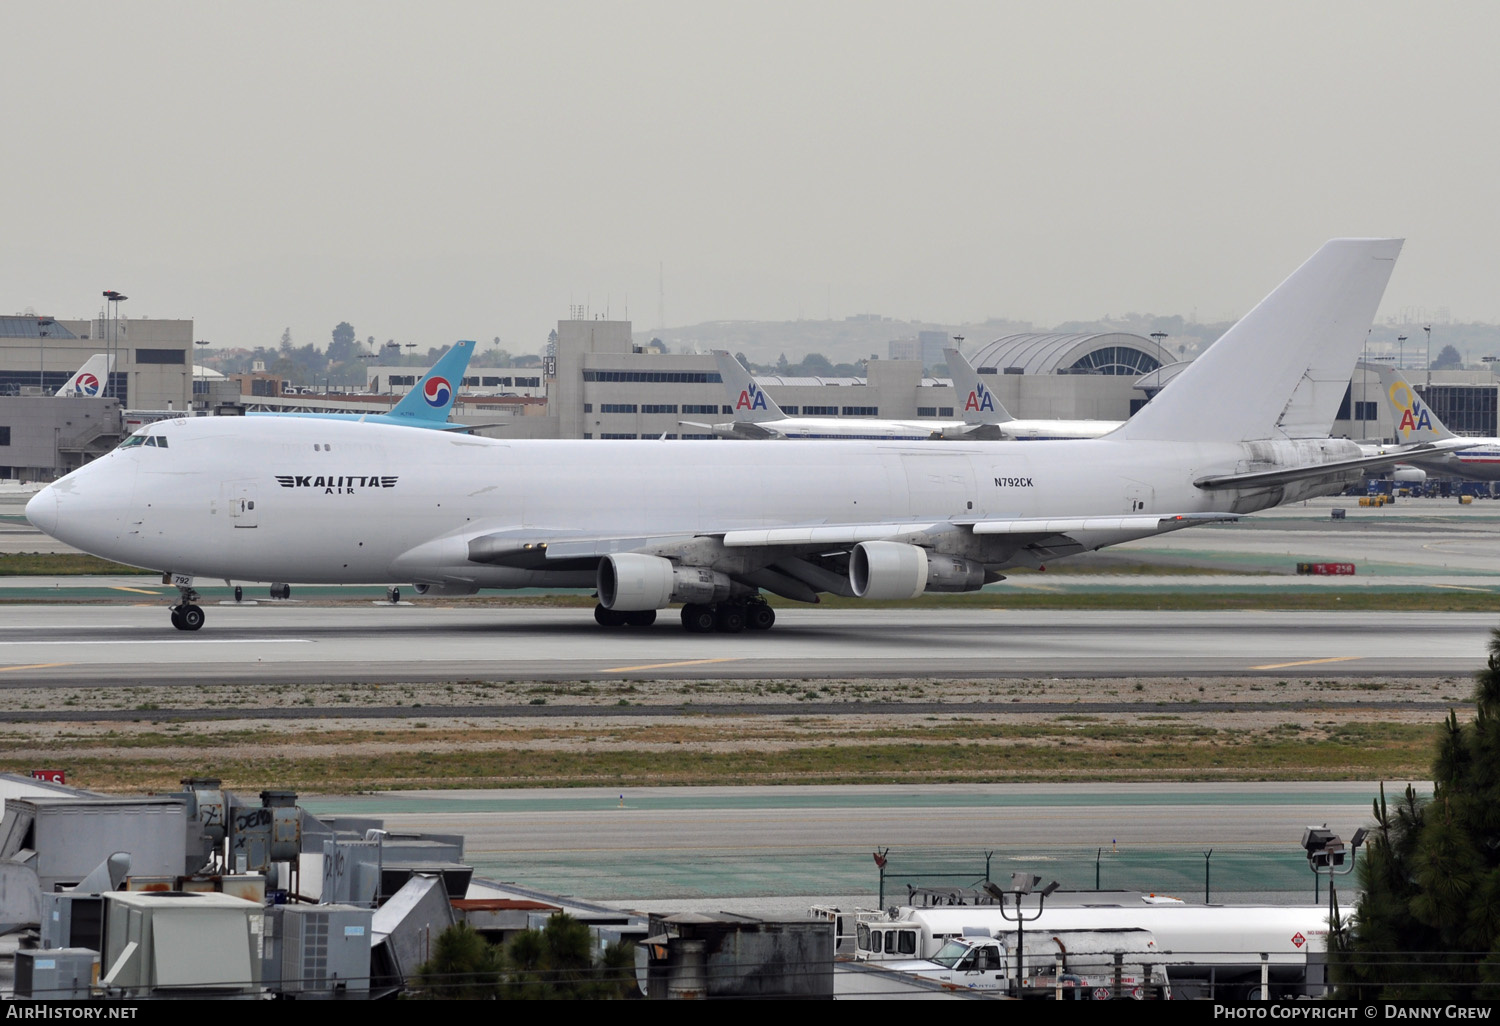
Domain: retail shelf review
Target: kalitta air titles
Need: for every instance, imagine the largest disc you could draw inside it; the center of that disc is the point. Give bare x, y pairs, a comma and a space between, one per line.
335, 485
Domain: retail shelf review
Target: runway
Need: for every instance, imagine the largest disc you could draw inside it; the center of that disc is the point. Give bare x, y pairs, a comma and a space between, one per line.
378, 643
687, 844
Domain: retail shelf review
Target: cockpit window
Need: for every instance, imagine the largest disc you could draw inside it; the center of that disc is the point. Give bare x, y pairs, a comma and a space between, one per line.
156, 441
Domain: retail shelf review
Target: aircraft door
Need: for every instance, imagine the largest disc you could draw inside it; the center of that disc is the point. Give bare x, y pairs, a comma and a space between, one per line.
939, 484
240, 499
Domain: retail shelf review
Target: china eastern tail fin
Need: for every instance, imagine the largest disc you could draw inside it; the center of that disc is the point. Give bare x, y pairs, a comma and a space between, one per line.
980, 404
92, 378
751, 403
1282, 370
1413, 419
431, 398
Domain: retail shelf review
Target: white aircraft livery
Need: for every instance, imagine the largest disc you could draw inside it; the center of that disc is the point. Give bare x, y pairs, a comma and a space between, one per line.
757, 415
1415, 422
711, 525
986, 417
92, 378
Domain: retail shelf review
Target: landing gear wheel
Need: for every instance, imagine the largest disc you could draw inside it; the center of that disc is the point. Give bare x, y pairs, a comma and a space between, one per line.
177, 619
609, 617
281, 591
640, 618
187, 617
730, 618
759, 616
239, 593
393, 595
697, 619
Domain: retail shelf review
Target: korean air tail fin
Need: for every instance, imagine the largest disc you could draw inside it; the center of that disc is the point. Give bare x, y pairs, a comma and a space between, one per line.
751, 403
92, 378
1414, 419
980, 404
431, 398
1282, 370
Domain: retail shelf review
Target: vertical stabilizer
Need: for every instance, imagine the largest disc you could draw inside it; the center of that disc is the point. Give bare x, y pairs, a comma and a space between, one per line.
1281, 371
431, 398
979, 402
1413, 419
91, 378
751, 403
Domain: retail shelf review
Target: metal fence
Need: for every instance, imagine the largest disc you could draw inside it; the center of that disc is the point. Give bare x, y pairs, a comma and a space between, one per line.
1185, 873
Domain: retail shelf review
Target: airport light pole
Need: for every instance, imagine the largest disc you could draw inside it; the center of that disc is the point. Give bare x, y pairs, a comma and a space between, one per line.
42, 324
1021, 884
1325, 857
113, 300
1401, 353
1428, 328
1364, 383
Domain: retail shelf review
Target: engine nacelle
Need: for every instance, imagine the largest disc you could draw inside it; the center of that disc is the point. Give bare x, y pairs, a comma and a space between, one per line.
630, 581
895, 570
887, 570
1402, 473
953, 573
446, 589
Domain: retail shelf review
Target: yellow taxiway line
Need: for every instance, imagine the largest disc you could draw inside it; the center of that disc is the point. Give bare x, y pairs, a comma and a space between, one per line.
663, 666
1306, 662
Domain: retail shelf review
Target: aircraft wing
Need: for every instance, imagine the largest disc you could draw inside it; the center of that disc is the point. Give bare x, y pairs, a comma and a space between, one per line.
801, 560
1388, 458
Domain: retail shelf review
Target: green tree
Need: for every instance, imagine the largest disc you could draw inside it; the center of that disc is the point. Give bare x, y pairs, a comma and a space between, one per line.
1448, 358
342, 348
464, 967
1427, 925
557, 963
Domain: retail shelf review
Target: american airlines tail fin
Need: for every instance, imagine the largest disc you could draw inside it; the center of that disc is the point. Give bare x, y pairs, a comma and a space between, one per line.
1281, 371
751, 403
980, 405
431, 399
91, 378
1414, 419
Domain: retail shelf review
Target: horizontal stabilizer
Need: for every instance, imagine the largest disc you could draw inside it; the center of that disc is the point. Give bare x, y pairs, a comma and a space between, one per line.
1337, 468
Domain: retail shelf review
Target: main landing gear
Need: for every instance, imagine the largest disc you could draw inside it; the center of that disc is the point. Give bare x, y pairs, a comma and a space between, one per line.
187, 615
728, 617
725, 617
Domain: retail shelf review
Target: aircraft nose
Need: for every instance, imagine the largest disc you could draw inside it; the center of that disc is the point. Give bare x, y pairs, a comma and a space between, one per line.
42, 510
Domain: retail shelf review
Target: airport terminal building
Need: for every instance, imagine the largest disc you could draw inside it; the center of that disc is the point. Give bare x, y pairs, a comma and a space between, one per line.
42, 437
600, 385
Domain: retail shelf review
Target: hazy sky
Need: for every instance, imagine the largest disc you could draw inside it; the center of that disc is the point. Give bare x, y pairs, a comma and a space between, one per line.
461, 169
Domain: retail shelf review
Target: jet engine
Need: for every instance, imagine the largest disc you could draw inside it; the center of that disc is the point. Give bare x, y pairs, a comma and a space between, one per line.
630, 581
894, 570
1402, 473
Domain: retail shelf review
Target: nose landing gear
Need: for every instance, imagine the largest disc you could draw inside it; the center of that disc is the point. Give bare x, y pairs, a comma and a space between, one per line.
187, 615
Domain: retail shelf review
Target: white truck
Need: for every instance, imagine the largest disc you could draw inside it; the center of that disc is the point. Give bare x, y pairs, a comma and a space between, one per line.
1076, 964
1226, 951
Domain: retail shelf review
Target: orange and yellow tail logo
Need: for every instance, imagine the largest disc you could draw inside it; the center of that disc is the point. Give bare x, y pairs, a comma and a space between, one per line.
1414, 413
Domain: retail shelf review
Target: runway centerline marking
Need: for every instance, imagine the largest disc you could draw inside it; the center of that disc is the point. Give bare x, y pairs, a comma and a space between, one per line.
1306, 662
663, 666
33, 666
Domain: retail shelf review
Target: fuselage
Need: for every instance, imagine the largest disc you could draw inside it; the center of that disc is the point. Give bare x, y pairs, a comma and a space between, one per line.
283, 499
917, 430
